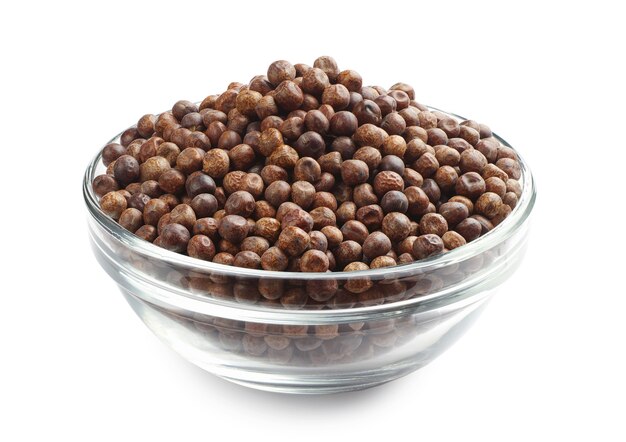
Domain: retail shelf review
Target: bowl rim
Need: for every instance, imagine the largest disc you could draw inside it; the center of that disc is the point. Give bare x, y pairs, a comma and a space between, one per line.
500, 233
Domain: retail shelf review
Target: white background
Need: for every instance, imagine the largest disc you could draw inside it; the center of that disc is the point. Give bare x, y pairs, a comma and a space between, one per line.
544, 362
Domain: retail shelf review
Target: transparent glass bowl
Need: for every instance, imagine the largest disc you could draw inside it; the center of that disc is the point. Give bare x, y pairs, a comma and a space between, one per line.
214, 316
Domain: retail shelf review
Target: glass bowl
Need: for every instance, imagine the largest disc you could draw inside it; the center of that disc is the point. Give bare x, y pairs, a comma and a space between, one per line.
228, 320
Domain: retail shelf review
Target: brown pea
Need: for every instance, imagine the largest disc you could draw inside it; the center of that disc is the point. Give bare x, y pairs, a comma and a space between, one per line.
514, 186
510, 166
433, 223
337, 96
126, 170
147, 233
153, 168
234, 228
449, 126
446, 177
322, 217
471, 135
138, 201
485, 224
369, 135
488, 204
113, 204
316, 121
382, 261
463, 200
333, 235
285, 207
182, 108
452, 240
343, 123
273, 259
472, 161
352, 80
427, 120
280, 71
394, 201
469, 229
314, 81
354, 230
357, 285
314, 261
240, 203
367, 112
330, 163
228, 140
131, 219
302, 194
406, 245
396, 226
271, 173
354, 172
371, 216
510, 199
346, 211
268, 228
288, 95
324, 199
470, 185
426, 165
247, 101
263, 209
184, 215
112, 152
174, 237
369, 155
133, 188
432, 189
495, 185
506, 152
387, 181
318, 241
214, 131
328, 65
412, 178
277, 192
427, 245
266, 107
242, 156
376, 244
172, 181
292, 128
206, 226
393, 124
104, 184
201, 247
453, 213
299, 218
153, 211
417, 199
394, 145
345, 146
248, 260
283, 156
310, 144
347, 252
253, 183
411, 116
415, 148
307, 169
293, 240
503, 212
